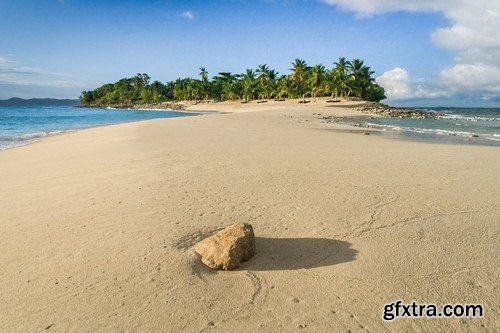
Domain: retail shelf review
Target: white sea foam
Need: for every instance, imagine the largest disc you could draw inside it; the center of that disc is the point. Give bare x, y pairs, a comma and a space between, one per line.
437, 131
31, 136
467, 118
8, 145
7, 142
473, 125
142, 109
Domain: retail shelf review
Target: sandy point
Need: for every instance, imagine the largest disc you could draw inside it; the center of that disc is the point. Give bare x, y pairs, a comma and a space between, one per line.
97, 226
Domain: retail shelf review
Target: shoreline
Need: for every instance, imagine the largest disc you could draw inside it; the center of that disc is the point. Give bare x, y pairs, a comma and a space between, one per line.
34, 137
353, 109
362, 111
413, 134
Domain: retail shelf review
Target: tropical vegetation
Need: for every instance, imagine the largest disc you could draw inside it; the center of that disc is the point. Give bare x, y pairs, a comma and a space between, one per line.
346, 79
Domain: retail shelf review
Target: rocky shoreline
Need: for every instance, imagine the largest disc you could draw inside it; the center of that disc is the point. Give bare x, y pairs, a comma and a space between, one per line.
374, 110
386, 111
144, 106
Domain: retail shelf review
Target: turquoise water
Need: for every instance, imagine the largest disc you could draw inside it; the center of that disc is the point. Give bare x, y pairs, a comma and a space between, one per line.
471, 124
25, 124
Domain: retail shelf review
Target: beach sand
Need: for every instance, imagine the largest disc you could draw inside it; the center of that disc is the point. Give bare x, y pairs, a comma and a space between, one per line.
97, 226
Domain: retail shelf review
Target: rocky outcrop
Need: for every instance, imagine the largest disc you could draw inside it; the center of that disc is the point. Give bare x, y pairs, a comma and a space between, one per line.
228, 248
386, 111
148, 106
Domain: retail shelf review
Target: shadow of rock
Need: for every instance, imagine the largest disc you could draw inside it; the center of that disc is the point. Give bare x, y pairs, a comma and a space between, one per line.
297, 253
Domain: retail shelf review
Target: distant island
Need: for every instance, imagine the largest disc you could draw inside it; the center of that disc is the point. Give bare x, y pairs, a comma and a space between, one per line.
16, 101
347, 79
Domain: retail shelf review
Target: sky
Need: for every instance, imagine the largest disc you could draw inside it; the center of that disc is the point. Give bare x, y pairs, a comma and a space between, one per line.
424, 53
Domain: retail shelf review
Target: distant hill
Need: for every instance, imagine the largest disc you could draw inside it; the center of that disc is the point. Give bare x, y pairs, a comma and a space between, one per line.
16, 101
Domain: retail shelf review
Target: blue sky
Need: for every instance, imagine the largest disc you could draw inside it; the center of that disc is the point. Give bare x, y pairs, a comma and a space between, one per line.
57, 48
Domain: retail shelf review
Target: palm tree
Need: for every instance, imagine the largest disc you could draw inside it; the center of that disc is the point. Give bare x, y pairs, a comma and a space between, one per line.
299, 74
223, 86
355, 69
366, 81
341, 67
361, 77
204, 82
332, 83
272, 76
285, 87
189, 89
346, 78
234, 90
315, 80
262, 79
203, 74
249, 85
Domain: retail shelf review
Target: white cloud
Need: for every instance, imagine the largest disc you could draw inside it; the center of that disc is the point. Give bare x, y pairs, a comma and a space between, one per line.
188, 15
400, 86
471, 77
4, 62
396, 83
473, 36
370, 7
15, 73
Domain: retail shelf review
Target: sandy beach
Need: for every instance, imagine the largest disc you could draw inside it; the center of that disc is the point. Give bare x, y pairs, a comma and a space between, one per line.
97, 226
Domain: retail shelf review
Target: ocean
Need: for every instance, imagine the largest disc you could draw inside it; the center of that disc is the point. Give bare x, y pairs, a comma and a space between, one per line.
460, 125
21, 125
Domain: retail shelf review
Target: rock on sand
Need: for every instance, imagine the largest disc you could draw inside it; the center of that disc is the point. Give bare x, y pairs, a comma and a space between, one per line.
228, 248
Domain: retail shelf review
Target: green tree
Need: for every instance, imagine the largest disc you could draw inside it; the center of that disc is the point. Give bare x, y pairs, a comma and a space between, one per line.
263, 80
342, 75
316, 80
346, 78
299, 74
285, 87
374, 93
205, 84
250, 85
